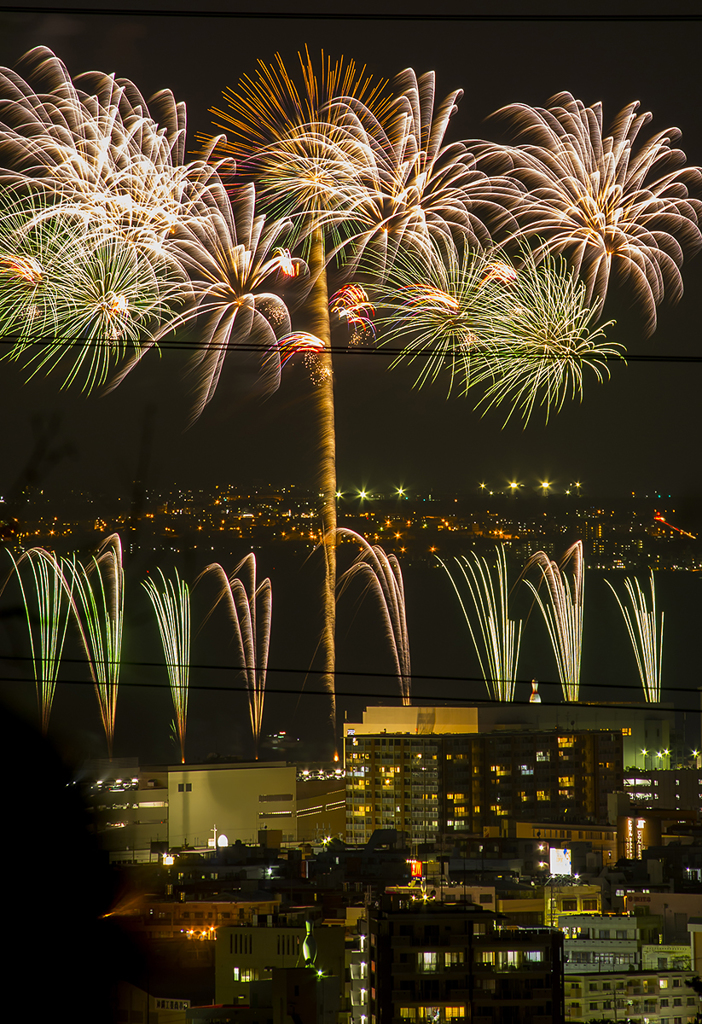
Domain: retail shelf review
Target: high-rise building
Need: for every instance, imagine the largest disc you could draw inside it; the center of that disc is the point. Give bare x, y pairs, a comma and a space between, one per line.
427, 784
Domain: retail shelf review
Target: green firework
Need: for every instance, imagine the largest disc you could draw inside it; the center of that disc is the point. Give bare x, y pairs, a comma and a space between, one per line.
171, 603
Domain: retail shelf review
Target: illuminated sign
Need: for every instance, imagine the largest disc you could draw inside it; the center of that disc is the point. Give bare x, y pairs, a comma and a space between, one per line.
559, 861
415, 868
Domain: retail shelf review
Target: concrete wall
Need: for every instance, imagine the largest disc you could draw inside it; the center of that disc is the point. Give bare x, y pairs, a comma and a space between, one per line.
239, 800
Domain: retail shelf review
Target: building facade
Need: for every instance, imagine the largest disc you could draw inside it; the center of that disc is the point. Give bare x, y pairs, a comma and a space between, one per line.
443, 962
432, 783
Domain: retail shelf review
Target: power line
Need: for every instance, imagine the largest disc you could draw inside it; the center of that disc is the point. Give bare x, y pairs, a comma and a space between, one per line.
56, 341
430, 699
360, 674
345, 15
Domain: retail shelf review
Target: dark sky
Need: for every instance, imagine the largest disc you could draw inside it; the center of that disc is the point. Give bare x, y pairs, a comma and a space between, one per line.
637, 432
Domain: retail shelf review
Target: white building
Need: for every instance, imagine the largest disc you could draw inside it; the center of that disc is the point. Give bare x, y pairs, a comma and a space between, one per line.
650, 996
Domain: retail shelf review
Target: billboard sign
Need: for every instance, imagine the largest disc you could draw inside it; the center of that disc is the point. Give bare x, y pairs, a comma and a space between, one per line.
559, 861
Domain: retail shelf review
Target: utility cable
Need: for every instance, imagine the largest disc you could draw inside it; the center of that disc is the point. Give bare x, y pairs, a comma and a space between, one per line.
336, 349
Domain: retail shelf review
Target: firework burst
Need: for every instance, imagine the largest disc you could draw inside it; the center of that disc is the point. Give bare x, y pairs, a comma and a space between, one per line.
544, 336
609, 204
382, 575
411, 187
520, 329
495, 636
646, 641
231, 259
171, 604
95, 144
562, 609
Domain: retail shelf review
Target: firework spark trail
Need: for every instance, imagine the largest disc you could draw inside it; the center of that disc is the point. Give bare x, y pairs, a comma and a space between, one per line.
326, 435
250, 608
642, 627
288, 139
382, 574
496, 637
98, 606
607, 204
522, 330
53, 598
563, 612
171, 604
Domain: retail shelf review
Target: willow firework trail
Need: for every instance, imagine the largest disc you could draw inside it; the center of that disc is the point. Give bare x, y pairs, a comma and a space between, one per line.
382, 574
562, 610
98, 605
606, 203
642, 627
46, 606
171, 603
249, 605
495, 636
297, 341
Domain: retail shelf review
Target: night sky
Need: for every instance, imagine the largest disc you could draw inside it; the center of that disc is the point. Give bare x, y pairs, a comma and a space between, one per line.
637, 432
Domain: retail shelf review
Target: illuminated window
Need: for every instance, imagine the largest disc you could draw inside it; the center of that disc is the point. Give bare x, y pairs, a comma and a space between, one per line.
542, 794
428, 962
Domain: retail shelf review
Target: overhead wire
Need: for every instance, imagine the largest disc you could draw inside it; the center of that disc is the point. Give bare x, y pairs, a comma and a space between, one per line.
336, 349
351, 673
